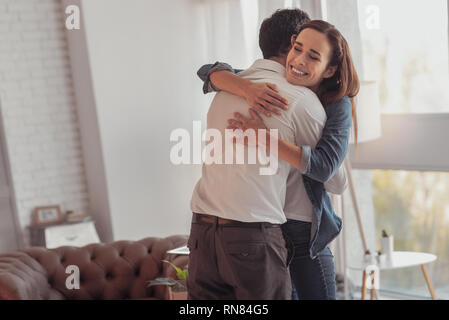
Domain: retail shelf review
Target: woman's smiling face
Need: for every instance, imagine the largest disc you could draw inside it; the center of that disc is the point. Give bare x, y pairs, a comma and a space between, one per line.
308, 59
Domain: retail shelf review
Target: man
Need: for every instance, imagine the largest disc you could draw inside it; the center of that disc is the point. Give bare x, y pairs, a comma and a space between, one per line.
237, 250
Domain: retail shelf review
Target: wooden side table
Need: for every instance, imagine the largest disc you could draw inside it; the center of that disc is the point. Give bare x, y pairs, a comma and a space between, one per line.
399, 259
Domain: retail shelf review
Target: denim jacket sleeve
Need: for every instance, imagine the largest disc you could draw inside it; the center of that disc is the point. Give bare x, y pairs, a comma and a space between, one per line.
321, 163
205, 71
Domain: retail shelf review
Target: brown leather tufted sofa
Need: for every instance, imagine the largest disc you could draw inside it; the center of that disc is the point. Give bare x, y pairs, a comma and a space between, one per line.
118, 270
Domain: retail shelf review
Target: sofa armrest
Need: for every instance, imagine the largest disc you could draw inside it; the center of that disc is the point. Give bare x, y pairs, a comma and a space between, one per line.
23, 278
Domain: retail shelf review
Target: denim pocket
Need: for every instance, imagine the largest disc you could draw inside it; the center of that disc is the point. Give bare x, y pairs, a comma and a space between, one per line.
326, 252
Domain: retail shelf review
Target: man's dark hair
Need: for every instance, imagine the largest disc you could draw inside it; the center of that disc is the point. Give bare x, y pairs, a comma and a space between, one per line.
276, 31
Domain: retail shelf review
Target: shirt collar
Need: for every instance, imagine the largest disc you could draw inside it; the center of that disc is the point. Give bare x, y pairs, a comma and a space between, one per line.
269, 65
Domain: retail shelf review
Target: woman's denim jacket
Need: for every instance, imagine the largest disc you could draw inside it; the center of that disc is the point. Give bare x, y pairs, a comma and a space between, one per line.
317, 165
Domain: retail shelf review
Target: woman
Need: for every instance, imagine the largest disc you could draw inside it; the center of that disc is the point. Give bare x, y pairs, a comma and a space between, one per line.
319, 59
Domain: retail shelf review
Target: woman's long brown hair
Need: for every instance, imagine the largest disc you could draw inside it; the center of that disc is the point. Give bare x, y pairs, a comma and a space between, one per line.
345, 81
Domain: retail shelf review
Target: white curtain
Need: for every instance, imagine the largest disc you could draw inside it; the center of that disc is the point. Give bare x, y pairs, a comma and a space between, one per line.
227, 31
232, 26
345, 16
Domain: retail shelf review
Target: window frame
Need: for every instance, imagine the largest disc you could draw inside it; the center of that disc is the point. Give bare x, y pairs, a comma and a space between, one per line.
422, 146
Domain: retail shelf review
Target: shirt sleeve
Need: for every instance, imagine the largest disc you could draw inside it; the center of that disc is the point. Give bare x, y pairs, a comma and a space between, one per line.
205, 71
338, 183
325, 160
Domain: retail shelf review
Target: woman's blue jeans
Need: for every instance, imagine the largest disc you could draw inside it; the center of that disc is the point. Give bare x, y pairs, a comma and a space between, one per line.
312, 279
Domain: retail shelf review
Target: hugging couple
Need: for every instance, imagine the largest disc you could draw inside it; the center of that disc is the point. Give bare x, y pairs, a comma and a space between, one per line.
257, 237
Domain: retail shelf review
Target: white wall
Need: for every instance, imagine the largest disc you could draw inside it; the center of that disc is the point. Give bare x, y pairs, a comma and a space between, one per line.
143, 59
38, 109
90, 133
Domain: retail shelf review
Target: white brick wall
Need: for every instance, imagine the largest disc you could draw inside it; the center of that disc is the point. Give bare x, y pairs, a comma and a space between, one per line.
38, 107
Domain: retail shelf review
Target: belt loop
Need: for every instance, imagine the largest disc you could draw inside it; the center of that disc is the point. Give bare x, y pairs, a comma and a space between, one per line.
262, 226
216, 223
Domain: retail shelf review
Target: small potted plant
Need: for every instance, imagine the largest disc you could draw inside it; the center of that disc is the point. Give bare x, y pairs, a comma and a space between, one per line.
380, 257
387, 242
177, 288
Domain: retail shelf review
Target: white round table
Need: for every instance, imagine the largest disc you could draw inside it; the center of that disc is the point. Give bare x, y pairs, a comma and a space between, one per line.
399, 259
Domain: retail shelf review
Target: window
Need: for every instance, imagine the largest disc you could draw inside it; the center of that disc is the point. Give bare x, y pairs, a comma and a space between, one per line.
405, 48
414, 207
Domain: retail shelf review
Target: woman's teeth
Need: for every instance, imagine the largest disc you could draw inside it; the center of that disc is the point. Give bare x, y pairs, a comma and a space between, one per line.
299, 73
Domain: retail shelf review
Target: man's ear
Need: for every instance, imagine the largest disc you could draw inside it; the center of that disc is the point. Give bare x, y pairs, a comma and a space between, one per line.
293, 39
330, 71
